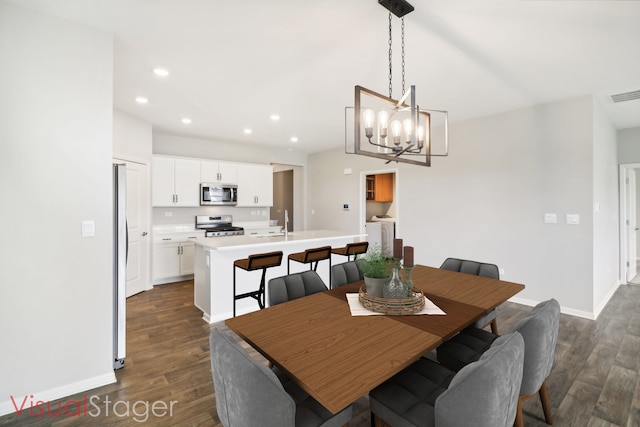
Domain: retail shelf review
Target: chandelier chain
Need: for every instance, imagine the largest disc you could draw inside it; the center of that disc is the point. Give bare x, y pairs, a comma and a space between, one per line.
390, 59
402, 55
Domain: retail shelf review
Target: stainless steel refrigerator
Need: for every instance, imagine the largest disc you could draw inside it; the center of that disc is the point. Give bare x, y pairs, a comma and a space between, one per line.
120, 249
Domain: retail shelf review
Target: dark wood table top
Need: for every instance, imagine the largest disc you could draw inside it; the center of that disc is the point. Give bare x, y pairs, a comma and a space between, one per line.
336, 357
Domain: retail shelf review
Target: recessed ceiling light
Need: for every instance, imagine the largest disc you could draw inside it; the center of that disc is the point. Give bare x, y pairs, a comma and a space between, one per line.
141, 100
186, 120
294, 139
275, 117
161, 72
247, 131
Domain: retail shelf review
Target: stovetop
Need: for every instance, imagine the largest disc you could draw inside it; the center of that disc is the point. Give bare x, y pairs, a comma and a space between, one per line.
216, 226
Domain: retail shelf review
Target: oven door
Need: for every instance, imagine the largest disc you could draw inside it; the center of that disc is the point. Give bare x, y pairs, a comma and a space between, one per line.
216, 194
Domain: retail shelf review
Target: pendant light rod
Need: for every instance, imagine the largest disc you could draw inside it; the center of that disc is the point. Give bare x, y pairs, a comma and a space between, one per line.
397, 7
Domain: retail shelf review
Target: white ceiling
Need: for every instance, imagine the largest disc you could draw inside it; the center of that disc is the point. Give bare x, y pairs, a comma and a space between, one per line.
234, 63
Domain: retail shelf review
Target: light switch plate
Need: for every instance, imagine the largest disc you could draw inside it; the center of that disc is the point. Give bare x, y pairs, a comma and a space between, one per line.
88, 228
573, 219
550, 218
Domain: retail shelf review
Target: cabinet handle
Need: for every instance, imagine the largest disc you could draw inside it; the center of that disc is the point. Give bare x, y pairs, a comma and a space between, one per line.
144, 233
176, 198
166, 238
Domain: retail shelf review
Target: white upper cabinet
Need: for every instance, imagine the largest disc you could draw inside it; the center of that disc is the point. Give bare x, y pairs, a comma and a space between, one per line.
175, 182
255, 185
221, 172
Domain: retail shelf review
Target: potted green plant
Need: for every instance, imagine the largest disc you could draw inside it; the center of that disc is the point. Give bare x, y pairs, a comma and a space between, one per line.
376, 268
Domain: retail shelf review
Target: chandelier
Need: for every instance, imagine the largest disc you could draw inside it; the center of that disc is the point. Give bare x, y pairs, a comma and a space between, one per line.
389, 129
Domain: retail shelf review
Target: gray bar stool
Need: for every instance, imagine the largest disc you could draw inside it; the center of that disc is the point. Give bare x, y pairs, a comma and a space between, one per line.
255, 262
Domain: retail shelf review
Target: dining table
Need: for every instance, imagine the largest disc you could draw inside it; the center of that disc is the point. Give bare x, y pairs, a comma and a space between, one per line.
337, 357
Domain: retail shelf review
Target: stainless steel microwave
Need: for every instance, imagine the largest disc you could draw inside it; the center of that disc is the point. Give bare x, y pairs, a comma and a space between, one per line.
218, 194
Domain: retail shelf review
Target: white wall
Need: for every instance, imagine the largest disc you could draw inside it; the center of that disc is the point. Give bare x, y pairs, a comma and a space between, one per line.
176, 145
487, 200
132, 138
606, 214
629, 145
56, 146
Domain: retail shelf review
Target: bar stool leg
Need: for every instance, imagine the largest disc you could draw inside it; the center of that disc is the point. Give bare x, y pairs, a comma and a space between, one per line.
260, 295
234, 291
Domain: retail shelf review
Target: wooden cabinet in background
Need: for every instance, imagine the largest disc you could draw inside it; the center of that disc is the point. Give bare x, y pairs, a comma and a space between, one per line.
380, 187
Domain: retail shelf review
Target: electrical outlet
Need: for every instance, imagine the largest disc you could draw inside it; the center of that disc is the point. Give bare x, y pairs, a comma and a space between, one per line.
501, 271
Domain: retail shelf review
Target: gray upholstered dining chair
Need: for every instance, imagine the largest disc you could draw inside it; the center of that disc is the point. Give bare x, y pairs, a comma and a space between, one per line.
249, 394
540, 332
293, 286
347, 272
478, 269
482, 394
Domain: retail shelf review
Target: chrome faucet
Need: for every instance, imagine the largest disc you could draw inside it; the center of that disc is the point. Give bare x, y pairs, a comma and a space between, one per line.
286, 224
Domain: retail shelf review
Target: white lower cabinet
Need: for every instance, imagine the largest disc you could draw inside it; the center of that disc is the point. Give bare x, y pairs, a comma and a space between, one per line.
173, 261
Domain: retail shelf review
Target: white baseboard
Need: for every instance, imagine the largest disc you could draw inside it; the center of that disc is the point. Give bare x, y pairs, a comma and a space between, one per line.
606, 299
565, 310
7, 406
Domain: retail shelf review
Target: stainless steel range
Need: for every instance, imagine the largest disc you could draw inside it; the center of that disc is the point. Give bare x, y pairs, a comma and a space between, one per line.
217, 226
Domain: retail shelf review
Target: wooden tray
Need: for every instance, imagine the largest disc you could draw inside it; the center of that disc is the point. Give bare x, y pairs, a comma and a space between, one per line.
390, 306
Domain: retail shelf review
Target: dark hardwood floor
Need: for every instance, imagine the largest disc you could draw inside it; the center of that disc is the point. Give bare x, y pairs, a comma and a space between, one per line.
595, 380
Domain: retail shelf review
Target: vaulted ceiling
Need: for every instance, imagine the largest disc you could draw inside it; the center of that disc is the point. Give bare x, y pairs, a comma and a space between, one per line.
232, 64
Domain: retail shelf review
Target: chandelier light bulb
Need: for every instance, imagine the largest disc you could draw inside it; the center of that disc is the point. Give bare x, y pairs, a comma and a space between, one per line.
420, 137
408, 130
396, 131
383, 124
368, 116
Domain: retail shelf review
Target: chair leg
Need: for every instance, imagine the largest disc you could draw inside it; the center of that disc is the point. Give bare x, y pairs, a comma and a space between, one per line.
546, 407
519, 422
494, 327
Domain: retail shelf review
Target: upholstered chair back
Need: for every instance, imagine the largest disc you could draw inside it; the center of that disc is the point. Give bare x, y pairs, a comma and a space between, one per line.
540, 332
247, 392
342, 274
485, 393
293, 286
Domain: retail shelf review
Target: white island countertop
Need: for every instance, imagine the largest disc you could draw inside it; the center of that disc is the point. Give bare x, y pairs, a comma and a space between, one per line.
247, 242
217, 281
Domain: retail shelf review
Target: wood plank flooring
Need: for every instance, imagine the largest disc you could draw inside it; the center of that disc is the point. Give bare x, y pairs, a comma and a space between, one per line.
595, 380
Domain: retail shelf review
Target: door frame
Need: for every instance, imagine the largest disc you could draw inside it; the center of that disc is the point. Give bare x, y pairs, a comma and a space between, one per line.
147, 242
363, 196
623, 229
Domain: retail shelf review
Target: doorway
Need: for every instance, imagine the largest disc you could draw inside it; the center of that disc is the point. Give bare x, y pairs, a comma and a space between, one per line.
283, 199
288, 194
629, 222
379, 207
138, 227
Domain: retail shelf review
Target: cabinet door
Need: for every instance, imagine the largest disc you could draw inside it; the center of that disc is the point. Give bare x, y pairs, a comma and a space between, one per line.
187, 258
228, 173
162, 190
166, 260
384, 187
264, 185
246, 185
187, 182
208, 171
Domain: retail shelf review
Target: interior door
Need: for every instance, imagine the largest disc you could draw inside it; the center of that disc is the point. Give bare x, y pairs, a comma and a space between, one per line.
631, 224
138, 227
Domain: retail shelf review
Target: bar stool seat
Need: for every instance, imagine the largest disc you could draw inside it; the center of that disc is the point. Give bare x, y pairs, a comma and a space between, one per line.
351, 249
312, 257
255, 262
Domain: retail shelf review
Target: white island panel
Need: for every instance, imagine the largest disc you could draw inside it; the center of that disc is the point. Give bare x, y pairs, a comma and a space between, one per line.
213, 290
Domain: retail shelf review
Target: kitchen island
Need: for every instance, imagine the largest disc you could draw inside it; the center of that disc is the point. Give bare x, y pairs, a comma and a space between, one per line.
214, 257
